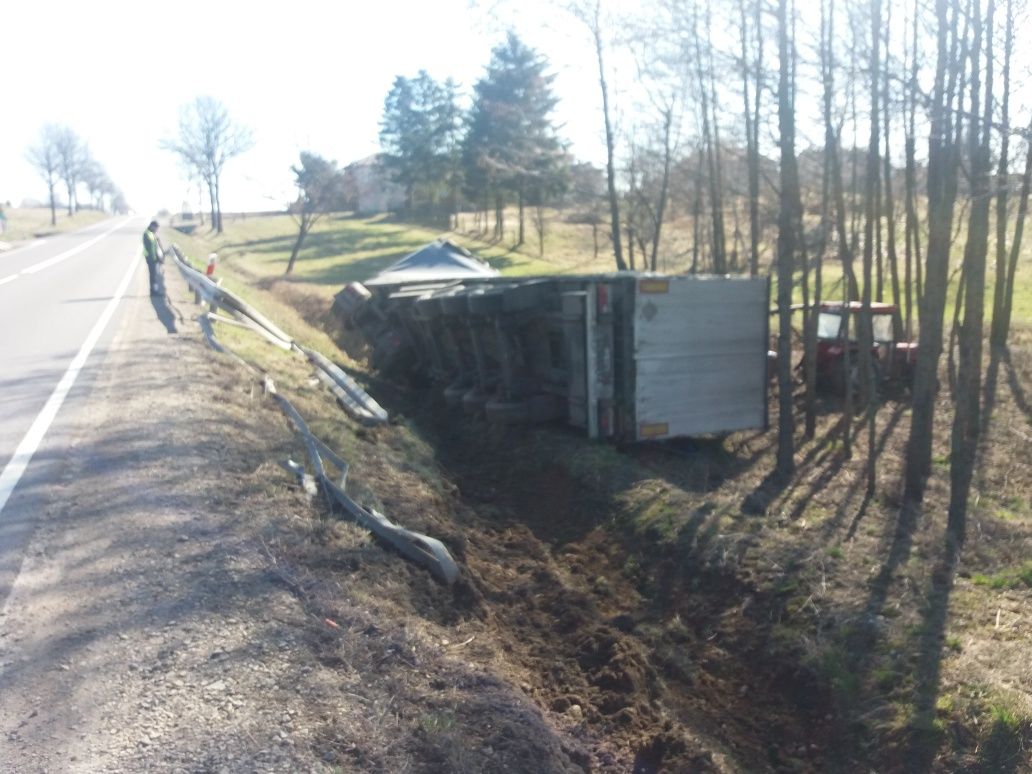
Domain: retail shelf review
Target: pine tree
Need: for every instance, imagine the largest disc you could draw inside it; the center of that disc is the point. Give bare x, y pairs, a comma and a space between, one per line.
419, 135
512, 149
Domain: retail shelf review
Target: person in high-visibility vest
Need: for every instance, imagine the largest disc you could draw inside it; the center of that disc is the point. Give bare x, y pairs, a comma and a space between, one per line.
152, 253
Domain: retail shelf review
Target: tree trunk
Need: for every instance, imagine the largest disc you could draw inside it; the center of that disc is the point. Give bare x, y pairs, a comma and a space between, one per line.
218, 205
890, 200
697, 215
212, 202
752, 151
520, 239
967, 419
664, 188
302, 232
998, 336
614, 199
499, 218
716, 208
786, 252
1019, 228
868, 376
942, 192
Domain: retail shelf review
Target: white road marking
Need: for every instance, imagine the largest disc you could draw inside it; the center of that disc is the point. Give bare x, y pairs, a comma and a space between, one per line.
69, 253
27, 247
12, 473
5, 280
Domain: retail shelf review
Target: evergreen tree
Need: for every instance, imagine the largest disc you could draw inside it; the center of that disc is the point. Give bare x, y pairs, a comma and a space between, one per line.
419, 134
511, 148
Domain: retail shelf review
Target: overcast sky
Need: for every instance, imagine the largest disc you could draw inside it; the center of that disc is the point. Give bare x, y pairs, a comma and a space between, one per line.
302, 75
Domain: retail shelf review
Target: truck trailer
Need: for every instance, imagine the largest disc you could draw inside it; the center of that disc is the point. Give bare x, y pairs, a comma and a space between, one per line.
625, 356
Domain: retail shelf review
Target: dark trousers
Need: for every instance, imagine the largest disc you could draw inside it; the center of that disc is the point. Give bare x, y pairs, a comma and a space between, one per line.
154, 277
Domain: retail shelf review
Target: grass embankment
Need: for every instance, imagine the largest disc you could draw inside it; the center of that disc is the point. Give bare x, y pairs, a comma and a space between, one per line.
31, 222
805, 627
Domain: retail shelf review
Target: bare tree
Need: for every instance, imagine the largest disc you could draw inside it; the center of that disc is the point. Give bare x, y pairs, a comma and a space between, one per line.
998, 334
967, 418
752, 121
710, 135
943, 164
207, 139
71, 156
912, 236
45, 159
319, 190
787, 232
868, 378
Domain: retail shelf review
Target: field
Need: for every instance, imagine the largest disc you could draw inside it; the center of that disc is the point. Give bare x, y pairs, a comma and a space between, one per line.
31, 222
664, 607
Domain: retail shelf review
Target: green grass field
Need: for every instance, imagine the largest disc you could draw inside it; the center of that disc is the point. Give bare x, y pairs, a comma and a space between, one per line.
31, 222
339, 250
343, 249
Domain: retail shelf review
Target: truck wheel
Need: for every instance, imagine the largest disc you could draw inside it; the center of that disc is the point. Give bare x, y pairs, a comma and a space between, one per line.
453, 393
473, 401
545, 408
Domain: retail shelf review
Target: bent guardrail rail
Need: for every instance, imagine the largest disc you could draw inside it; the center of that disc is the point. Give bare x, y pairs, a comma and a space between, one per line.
357, 401
353, 399
429, 552
422, 549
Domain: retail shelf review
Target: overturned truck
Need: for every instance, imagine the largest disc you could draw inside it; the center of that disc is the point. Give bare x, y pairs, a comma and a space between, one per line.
625, 356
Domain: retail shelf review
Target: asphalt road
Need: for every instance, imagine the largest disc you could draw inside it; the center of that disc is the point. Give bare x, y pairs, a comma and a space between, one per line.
60, 305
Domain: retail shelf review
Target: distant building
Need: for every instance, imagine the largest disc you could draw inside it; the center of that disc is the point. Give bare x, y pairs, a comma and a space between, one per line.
370, 189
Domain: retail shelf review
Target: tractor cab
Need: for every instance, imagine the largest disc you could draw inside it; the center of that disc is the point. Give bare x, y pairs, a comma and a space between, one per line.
893, 360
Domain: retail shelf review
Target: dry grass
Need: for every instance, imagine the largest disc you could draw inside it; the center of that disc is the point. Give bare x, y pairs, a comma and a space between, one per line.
836, 619
30, 222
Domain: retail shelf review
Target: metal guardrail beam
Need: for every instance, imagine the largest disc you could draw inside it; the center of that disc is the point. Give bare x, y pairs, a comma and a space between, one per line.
357, 401
353, 399
422, 549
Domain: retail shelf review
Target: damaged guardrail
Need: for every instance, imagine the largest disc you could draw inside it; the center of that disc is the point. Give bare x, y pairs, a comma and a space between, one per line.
420, 548
353, 399
429, 552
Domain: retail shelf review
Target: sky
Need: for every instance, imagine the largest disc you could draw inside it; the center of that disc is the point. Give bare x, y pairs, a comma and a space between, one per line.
304, 75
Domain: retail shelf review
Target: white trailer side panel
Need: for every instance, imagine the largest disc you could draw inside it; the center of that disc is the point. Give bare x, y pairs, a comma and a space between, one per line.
700, 350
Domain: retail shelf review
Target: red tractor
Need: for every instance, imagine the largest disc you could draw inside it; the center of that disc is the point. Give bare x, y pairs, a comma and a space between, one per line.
893, 360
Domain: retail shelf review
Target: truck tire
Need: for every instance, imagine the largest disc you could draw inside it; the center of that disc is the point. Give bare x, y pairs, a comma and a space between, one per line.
453, 393
473, 401
535, 409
